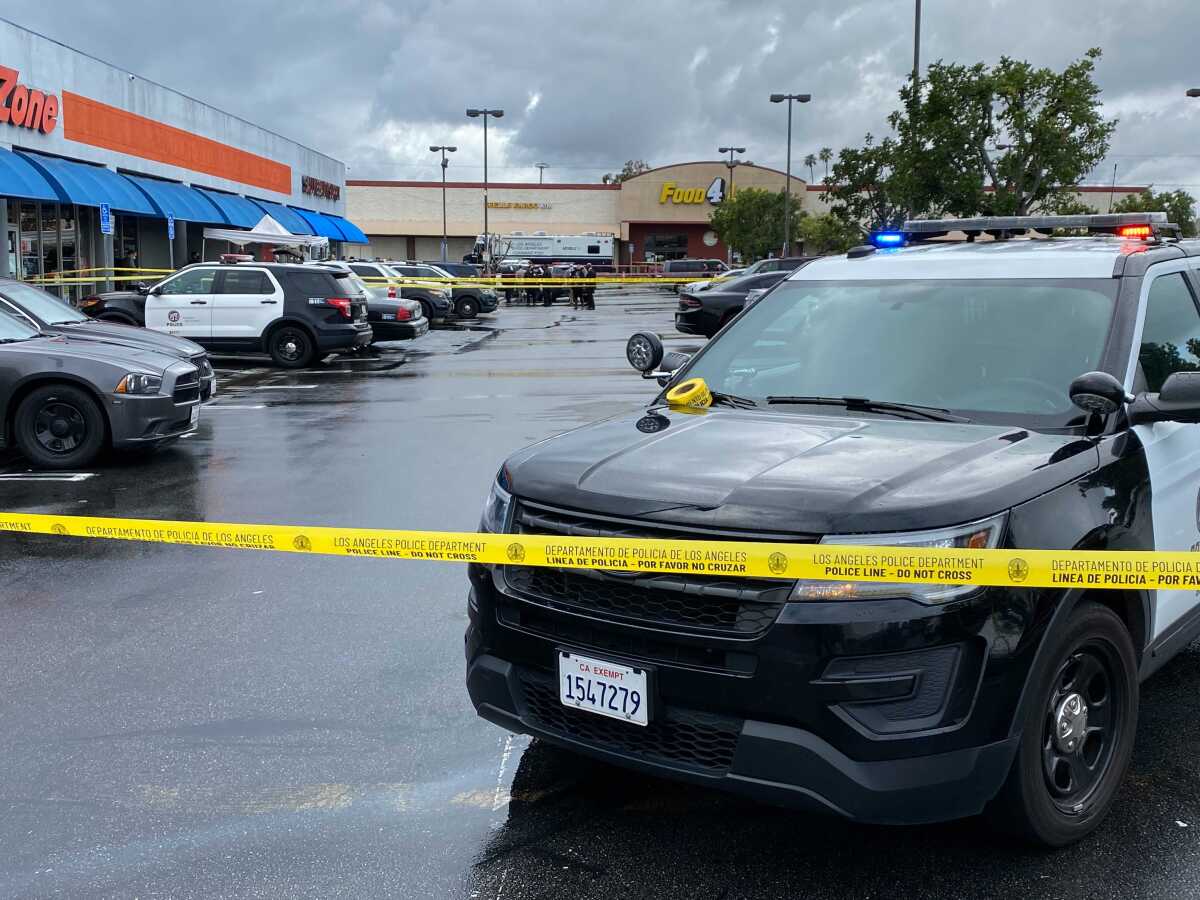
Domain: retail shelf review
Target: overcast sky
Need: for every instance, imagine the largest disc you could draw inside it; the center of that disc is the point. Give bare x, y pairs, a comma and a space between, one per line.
587, 85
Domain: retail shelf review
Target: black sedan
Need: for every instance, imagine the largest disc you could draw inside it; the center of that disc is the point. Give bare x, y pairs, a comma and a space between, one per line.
50, 315
708, 312
64, 399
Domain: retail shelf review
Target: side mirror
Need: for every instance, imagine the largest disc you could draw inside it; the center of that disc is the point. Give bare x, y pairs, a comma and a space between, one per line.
1178, 401
1099, 393
154, 291
644, 351
141, 287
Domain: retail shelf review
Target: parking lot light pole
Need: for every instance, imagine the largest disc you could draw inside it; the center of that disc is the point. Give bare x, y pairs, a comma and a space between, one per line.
475, 114
729, 193
787, 185
443, 149
541, 167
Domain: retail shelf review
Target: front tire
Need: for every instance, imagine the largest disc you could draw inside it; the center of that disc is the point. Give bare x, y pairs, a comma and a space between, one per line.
1078, 732
59, 427
291, 347
468, 308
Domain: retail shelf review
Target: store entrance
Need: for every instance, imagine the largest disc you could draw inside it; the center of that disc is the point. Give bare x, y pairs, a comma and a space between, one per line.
10, 249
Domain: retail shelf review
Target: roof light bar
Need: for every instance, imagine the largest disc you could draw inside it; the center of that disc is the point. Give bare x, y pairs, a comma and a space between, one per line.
1139, 224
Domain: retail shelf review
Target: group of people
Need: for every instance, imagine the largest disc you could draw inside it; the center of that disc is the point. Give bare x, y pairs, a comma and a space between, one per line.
583, 296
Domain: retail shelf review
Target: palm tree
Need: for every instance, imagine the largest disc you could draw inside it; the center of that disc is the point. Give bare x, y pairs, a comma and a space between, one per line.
825, 156
811, 162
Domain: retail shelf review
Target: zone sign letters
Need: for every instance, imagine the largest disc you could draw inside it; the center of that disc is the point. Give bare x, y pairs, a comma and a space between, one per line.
23, 107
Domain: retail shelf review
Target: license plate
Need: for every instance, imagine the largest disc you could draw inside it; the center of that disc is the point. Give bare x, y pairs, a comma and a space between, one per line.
605, 688
195, 414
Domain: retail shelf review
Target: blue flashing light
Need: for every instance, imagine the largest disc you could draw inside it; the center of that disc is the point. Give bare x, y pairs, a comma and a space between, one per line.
884, 239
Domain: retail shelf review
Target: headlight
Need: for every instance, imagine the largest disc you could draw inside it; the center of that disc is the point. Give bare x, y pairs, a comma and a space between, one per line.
980, 535
137, 383
447, 293
498, 505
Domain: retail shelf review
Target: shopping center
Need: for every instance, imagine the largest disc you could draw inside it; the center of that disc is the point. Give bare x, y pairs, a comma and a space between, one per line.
660, 214
101, 168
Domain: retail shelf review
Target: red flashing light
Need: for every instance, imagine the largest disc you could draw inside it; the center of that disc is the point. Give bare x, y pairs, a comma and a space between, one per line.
1135, 231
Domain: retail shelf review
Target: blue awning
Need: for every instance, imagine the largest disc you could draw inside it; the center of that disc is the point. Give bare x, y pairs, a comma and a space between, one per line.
320, 224
19, 179
91, 185
174, 199
353, 233
286, 217
239, 211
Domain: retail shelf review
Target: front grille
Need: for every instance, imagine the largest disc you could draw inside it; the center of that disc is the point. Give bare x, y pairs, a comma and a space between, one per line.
685, 738
201, 362
737, 607
187, 389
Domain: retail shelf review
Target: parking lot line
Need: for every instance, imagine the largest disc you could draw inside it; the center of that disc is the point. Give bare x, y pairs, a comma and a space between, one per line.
49, 476
277, 387
254, 406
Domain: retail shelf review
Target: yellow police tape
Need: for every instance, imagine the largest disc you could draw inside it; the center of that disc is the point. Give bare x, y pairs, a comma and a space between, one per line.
836, 564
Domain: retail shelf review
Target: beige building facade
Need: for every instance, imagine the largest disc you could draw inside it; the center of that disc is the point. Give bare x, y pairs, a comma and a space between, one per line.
660, 214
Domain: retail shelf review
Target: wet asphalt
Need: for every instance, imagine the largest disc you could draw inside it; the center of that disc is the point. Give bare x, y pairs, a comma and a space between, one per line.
192, 722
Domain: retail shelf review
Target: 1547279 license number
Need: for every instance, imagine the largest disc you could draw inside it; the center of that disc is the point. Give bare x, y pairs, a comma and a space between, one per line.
601, 687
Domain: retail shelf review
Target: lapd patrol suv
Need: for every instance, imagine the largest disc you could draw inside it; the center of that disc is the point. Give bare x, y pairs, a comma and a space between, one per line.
1027, 391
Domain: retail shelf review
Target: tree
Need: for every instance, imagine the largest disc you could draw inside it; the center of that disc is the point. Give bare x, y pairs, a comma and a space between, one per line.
631, 168
1179, 206
970, 140
751, 221
825, 156
811, 162
827, 233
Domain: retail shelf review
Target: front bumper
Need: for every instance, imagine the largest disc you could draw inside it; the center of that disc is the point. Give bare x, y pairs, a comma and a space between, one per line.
140, 421
879, 711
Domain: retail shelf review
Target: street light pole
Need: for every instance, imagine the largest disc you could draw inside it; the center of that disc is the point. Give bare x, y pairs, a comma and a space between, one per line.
917, 44
475, 114
729, 193
443, 149
541, 167
787, 184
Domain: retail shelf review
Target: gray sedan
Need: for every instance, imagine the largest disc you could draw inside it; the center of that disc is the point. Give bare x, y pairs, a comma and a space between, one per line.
48, 314
62, 399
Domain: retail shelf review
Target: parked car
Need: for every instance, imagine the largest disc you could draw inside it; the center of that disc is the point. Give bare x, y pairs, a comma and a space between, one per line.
392, 318
695, 287
709, 311
126, 306
469, 299
291, 311
700, 268
1021, 394
50, 315
457, 269
63, 399
777, 264
436, 301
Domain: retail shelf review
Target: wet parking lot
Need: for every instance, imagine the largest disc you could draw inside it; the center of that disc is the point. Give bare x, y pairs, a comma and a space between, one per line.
191, 722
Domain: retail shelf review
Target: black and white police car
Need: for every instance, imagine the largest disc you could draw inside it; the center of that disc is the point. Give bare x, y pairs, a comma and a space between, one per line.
293, 312
1023, 391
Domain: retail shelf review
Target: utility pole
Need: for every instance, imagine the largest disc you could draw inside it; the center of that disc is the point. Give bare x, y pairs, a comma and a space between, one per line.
787, 184
729, 192
541, 167
917, 45
487, 238
444, 149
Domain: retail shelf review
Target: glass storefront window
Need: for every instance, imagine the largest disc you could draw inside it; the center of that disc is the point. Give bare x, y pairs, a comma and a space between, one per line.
31, 239
666, 246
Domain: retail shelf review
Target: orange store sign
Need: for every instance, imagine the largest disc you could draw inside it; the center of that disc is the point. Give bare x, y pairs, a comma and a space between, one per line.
23, 107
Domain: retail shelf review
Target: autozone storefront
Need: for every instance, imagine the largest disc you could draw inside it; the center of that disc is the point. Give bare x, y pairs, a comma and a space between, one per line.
101, 169
664, 213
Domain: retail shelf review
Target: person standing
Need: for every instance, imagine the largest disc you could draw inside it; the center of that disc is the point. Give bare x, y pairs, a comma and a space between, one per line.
589, 290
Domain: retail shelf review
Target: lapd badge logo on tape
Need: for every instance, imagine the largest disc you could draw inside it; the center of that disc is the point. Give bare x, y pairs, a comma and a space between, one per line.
1018, 569
300, 542
777, 563
59, 528
515, 552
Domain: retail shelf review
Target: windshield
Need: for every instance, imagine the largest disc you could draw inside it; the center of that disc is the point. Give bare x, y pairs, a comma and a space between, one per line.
997, 350
13, 328
42, 305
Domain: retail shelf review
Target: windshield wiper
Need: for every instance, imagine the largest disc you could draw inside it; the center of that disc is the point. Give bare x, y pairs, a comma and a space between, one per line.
732, 400
934, 413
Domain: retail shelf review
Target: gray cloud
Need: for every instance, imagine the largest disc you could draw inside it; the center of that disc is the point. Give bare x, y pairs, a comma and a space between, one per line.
373, 82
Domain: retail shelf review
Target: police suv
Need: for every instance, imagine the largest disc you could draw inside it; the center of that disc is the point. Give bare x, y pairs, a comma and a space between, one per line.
1016, 389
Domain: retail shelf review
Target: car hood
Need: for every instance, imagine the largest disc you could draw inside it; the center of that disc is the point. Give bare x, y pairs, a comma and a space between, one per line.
796, 472
130, 336
119, 356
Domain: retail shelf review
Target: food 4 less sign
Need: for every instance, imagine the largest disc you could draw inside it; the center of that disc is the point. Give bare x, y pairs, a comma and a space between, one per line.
672, 193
